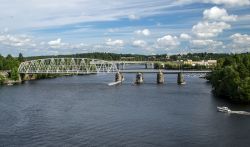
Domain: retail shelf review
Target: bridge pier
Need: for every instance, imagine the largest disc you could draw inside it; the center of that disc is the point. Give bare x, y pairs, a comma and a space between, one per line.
152, 65
118, 77
160, 78
118, 66
139, 78
22, 76
180, 79
123, 66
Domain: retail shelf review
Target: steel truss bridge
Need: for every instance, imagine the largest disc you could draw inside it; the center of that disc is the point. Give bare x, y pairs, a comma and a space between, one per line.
85, 66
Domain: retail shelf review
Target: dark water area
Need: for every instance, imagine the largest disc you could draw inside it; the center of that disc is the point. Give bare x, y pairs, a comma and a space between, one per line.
85, 111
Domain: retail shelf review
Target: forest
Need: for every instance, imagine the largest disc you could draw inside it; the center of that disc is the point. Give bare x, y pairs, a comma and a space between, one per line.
231, 78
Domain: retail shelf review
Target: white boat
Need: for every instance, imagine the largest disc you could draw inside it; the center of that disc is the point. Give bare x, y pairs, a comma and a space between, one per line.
224, 109
183, 83
115, 83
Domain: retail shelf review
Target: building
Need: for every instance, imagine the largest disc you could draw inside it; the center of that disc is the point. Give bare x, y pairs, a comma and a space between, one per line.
202, 62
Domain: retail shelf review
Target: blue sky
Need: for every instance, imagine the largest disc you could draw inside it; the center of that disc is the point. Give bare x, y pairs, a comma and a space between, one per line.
51, 27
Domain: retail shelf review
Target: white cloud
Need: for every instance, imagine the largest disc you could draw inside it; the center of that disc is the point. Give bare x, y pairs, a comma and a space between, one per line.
206, 29
111, 42
184, 36
241, 39
167, 41
206, 42
17, 41
139, 43
230, 2
133, 17
50, 13
218, 14
57, 43
144, 32
240, 43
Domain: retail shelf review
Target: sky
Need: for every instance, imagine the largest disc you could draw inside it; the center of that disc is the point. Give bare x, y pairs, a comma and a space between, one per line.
52, 27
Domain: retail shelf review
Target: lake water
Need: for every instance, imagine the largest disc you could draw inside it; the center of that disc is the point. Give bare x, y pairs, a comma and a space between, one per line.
85, 111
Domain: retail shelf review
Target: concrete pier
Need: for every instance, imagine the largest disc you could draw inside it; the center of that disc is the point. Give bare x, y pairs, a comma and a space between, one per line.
139, 78
180, 79
118, 77
160, 78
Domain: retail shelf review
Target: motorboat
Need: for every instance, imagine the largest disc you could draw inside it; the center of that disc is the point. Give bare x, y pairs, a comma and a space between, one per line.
117, 82
224, 109
183, 83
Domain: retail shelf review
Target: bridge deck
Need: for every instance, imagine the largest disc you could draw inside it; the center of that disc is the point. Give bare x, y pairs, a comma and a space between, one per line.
123, 71
166, 71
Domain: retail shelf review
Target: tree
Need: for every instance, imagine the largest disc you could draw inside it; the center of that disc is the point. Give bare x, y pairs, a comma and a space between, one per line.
2, 79
20, 57
14, 74
231, 78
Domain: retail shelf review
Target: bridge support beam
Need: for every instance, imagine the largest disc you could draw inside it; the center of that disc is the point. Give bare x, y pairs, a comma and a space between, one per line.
180, 79
118, 66
160, 78
123, 66
22, 77
118, 77
139, 78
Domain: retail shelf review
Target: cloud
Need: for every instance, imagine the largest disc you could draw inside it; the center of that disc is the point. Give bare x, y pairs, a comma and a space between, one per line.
168, 41
229, 2
206, 42
144, 32
56, 43
133, 17
240, 43
16, 41
206, 29
184, 36
241, 39
139, 43
111, 42
218, 14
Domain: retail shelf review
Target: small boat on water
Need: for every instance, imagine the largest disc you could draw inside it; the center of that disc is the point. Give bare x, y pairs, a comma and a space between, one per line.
224, 109
183, 83
117, 82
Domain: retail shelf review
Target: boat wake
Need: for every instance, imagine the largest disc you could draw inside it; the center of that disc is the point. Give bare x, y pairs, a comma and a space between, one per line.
227, 110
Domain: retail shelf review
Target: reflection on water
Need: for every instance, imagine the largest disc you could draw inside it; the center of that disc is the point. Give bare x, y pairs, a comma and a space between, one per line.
85, 111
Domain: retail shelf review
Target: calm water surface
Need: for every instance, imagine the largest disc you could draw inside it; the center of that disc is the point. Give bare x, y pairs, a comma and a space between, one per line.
85, 111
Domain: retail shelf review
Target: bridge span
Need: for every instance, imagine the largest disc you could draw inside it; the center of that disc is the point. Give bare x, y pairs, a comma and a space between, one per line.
95, 66
86, 66
167, 71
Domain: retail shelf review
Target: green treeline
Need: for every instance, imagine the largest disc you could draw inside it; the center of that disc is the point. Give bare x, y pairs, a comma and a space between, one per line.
97, 55
11, 64
231, 78
136, 57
